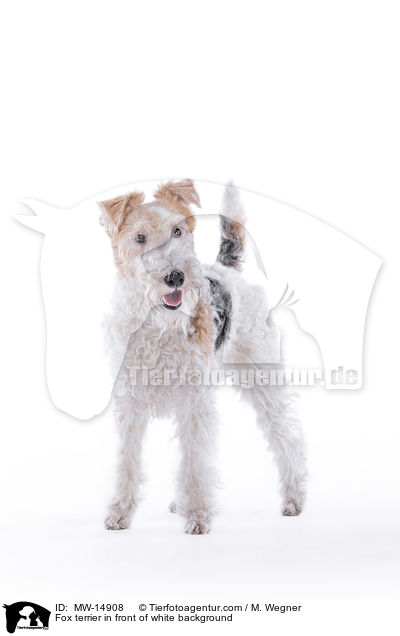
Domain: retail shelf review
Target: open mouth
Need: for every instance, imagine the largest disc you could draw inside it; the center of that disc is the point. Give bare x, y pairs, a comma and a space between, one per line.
174, 300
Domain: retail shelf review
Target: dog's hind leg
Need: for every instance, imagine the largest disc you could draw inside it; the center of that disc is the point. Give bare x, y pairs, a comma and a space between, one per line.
197, 476
277, 418
131, 422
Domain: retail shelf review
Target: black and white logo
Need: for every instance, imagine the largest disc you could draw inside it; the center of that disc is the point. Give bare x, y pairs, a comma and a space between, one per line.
26, 615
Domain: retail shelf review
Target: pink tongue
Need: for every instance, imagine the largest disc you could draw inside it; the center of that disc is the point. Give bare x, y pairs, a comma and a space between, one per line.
173, 299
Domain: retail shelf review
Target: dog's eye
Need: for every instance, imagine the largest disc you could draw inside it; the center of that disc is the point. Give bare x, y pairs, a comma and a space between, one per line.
141, 238
176, 231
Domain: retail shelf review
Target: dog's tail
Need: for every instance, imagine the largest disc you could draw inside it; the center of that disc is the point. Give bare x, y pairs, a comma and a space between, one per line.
233, 233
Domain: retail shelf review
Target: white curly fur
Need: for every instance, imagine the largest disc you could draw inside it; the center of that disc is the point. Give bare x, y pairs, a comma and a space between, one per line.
141, 333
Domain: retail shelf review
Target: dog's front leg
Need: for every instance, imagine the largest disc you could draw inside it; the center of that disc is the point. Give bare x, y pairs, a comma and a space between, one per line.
197, 475
131, 421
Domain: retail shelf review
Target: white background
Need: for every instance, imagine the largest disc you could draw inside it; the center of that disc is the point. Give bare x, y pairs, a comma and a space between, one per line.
298, 101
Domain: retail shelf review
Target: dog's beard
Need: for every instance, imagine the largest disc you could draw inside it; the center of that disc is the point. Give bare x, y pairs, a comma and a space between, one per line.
179, 317
190, 298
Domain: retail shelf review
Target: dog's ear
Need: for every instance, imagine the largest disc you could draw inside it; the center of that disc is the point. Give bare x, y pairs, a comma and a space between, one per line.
115, 211
182, 192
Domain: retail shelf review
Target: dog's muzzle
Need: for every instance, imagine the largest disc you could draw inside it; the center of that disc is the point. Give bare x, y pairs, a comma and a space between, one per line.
175, 278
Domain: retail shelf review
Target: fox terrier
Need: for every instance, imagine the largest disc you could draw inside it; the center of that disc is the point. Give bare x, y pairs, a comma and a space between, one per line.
170, 314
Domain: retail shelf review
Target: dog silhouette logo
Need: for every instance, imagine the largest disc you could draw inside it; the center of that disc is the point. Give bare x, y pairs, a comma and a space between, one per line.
317, 280
26, 615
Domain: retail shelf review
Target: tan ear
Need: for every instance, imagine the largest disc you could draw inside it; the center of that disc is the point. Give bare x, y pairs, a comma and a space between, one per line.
182, 192
115, 211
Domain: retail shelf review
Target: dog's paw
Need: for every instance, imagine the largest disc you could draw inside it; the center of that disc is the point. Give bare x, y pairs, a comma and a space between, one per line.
175, 508
194, 525
116, 522
291, 509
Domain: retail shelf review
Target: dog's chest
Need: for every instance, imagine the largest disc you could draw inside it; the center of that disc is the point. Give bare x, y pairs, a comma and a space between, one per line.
158, 350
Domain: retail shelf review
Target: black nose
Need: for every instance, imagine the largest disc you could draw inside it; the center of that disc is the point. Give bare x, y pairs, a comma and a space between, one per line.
175, 278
